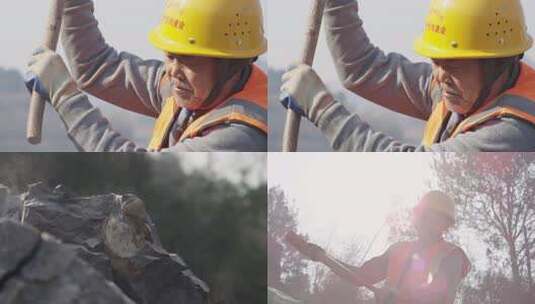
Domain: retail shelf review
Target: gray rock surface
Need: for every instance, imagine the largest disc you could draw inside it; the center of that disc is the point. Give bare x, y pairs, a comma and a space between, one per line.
112, 233
36, 268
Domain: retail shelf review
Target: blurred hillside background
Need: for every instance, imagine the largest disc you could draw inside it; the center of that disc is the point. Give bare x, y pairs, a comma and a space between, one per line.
208, 208
356, 208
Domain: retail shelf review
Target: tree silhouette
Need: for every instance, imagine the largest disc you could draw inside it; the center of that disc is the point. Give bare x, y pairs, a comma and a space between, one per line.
286, 267
495, 193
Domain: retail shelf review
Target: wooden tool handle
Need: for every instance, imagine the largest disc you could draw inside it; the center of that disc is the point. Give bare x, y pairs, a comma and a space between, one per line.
313, 251
351, 275
37, 103
291, 130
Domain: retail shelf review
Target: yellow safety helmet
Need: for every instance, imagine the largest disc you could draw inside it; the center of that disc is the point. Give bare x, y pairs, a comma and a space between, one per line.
457, 29
437, 201
211, 28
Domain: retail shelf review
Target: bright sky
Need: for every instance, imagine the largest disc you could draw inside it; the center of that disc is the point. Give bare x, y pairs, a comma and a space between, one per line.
392, 25
346, 195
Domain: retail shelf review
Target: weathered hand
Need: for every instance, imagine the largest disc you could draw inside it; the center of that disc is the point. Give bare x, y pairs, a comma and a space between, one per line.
304, 92
312, 251
47, 74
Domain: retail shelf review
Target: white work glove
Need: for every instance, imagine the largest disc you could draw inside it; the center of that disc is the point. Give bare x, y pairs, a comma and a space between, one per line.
47, 74
303, 91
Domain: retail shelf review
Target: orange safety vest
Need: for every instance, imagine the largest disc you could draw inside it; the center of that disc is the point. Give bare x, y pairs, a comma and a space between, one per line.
248, 107
408, 270
518, 102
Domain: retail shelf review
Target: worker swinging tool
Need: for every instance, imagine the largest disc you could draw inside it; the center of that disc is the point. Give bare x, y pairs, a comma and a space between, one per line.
476, 95
426, 270
207, 94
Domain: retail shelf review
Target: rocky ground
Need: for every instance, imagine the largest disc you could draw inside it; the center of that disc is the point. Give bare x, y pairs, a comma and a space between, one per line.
61, 248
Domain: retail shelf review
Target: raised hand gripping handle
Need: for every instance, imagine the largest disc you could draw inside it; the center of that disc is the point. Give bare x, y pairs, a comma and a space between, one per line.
316, 253
312, 251
291, 130
37, 103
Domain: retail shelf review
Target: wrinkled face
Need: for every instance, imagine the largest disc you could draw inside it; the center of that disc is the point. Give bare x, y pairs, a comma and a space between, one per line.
192, 78
461, 81
430, 224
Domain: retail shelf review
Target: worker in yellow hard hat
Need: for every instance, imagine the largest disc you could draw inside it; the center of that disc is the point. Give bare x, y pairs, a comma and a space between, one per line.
476, 94
207, 95
426, 270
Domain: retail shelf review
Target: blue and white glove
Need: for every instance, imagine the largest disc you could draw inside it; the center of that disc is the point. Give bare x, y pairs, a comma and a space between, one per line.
47, 74
303, 91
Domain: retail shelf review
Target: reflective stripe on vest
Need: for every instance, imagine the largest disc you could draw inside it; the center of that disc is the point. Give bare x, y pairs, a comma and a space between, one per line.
234, 111
518, 102
163, 125
248, 107
406, 269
